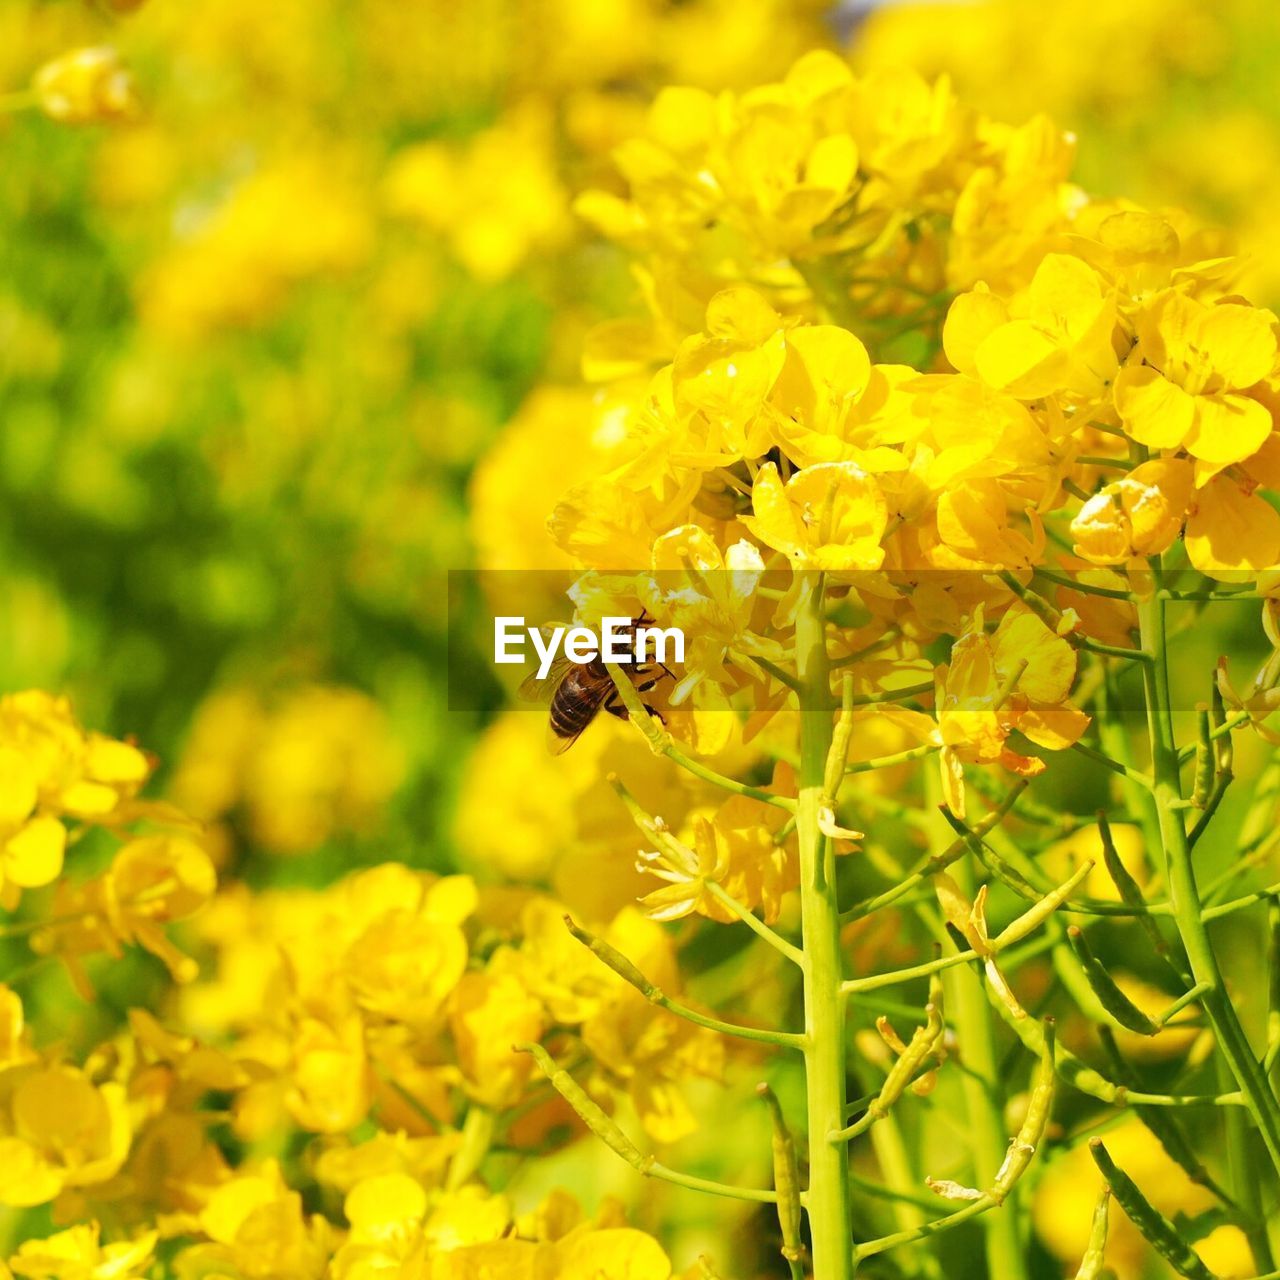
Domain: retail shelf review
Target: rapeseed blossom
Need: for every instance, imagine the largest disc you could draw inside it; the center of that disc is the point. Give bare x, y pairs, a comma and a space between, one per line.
913, 437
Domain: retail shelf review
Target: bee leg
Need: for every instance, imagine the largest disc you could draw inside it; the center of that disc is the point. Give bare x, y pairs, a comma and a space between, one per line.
615, 708
653, 711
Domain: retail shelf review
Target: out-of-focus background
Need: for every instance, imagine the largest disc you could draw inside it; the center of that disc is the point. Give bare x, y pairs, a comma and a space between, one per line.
268, 353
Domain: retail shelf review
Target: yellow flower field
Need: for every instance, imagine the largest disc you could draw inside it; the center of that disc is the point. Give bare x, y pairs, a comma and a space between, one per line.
906, 373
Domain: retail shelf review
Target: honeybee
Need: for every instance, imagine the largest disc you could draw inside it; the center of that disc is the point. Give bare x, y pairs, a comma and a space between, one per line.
576, 692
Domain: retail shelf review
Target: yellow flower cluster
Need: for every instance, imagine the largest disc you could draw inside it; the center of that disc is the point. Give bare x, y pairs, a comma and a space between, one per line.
913, 438
1078, 339
398, 995
894, 362
317, 762
386, 1006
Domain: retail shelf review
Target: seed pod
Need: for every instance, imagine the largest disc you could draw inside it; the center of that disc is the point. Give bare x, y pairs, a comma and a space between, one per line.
1112, 999
1037, 914
654, 828
1067, 1065
616, 961
1091, 1264
1164, 1125
1159, 1232
838, 752
990, 859
1224, 744
587, 1109
1030, 1134
1127, 887
786, 1177
1205, 762
902, 1072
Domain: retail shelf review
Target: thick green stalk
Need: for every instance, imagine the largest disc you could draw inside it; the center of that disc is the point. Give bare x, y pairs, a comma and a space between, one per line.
1184, 896
828, 1201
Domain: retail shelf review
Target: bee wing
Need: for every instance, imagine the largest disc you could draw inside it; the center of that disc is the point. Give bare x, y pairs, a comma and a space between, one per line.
556, 745
535, 689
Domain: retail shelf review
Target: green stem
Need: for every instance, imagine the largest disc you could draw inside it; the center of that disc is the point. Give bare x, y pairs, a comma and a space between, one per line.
828, 1201
975, 1032
1184, 894
900, 1177
1243, 1179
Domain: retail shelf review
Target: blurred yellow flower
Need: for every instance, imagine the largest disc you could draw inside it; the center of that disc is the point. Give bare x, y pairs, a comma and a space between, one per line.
58, 1129
77, 1254
311, 764
86, 86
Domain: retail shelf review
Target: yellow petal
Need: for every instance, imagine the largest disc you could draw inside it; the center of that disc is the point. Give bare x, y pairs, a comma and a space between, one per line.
33, 857
1022, 360
615, 1254
774, 521
108, 760
832, 164
682, 119
1066, 295
1231, 532
385, 1200
742, 315
1227, 428
26, 1178
1053, 727
1238, 342
1154, 411
1051, 661
817, 75
971, 318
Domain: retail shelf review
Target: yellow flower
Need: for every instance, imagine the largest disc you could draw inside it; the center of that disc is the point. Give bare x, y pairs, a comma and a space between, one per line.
31, 844
618, 1254
385, 1212
710, 595
722, 379
1018, 678
1232, 532
975, 530
1190, 391
773, 165
318, 762
1056, 339
649, 1051
1139, 515
489, 1012
77, 1254
57, 1129
735, 849
151, 881
829, 516
80, 774
86, 86
830, 404
256, 1227
497, 200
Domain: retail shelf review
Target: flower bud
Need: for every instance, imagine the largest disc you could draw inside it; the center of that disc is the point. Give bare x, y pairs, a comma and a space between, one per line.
1140, 515
86, 86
